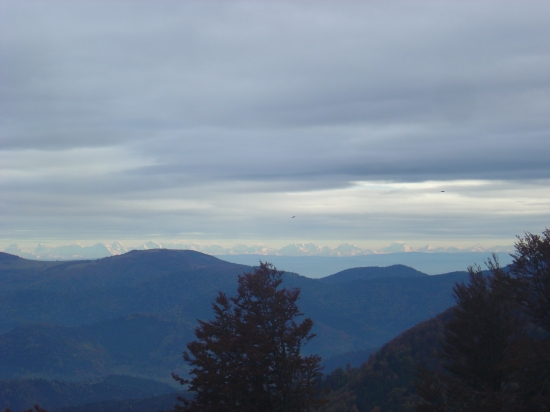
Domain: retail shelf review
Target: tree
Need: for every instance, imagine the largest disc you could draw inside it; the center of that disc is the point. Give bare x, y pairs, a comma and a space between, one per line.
248, 358
531, 272
479, 342
496, 349
531, 267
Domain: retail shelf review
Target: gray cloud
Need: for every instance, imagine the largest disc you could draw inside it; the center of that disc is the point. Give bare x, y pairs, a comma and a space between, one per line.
104, 102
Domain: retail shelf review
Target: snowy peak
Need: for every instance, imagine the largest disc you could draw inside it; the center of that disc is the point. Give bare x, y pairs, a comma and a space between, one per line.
100, 250
398, 247
149, 245
300, 249
116, 248
67, 252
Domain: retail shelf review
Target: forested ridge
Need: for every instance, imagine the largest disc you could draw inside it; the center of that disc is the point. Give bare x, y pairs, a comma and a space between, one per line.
386, 380
132, 314
490, 352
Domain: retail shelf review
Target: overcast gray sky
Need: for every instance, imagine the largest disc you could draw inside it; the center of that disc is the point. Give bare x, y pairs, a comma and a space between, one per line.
216, 122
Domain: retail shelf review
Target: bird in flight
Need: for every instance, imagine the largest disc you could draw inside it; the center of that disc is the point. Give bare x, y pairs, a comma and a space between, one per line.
442, 191
293, 217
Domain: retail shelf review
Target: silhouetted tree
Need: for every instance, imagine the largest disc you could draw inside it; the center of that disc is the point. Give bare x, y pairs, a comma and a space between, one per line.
531, 272
531, 267
248, 358
496, 348
479, 341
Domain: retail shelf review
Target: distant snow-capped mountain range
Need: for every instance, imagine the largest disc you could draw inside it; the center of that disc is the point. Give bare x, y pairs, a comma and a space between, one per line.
100, 250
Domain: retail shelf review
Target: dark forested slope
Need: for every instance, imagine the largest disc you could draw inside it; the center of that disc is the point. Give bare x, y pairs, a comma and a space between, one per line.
133, 314
92, 304
19, 395
385, 381
372, 272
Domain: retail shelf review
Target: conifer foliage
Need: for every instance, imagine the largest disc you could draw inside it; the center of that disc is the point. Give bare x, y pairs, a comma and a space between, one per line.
248, 358
479, 342
496, 348
532, 269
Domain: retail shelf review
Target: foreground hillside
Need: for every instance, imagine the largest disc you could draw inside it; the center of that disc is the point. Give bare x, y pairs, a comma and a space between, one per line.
18, 395
385, 381
490, 352
133, 314
178, 287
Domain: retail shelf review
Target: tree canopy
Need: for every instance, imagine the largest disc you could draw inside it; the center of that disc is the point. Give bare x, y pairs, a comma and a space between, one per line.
496, 347
248, 358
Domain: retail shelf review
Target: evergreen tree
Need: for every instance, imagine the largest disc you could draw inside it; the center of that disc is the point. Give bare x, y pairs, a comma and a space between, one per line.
531, 267
496, 348
478, 344
248, 358
531, 272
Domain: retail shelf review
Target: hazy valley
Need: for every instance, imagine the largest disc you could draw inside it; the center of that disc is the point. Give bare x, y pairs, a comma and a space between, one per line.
132, 314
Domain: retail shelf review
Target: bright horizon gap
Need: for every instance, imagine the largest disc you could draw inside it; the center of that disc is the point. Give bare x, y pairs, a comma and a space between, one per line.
269, 247
304, 259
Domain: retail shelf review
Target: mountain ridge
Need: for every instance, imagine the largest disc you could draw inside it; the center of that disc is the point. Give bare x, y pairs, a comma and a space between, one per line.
181, 285
100, 250
372, 272
133, 314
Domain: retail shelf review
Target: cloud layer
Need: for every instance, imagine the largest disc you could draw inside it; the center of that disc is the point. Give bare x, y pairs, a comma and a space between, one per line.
220, 120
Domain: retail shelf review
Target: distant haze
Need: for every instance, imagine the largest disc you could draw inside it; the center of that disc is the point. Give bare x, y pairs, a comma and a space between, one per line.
320, 266
274, 123
305, 259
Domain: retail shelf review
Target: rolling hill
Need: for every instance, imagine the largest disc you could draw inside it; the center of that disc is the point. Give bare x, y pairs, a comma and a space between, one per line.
133, 314
372, 272
18, 395
385, 381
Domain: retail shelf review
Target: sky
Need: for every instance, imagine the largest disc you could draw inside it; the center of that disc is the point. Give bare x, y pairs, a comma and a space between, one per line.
215, 122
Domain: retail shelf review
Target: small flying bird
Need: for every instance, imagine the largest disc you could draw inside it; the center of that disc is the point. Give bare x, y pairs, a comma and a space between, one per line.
442, 191
293, 217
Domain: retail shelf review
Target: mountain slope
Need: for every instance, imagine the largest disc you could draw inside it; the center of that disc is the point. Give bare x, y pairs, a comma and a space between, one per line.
146, 346
385, 381
22, 394
133, 313
152, 281
372, 272
129, 269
